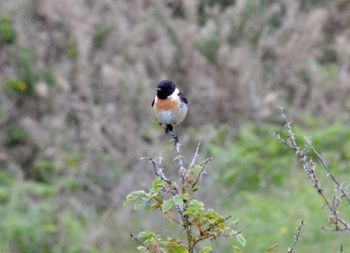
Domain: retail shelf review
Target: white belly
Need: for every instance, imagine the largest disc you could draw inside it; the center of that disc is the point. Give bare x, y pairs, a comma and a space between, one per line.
167, 117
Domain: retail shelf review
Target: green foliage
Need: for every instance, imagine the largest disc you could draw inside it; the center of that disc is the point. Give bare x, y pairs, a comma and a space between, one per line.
176, 203
209, 48
271, 217
154, 243
7, 31
48, 76
223, 3
27, 71
32, 219
254, 160
27, 76
16, 86
167, 205
206, 249
16, 135
102, 31
44, 171
329, 72
72, 49
139, 198
72, 158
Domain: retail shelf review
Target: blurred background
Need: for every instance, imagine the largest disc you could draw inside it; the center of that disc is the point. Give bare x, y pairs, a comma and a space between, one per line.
77, 80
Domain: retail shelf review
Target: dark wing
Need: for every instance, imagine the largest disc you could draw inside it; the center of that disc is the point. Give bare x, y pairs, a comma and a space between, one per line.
153, 102
182, 97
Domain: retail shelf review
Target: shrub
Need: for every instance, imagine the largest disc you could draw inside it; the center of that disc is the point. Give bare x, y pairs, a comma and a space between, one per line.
175, 200
101, 33
252, 160
16, 135
7, 32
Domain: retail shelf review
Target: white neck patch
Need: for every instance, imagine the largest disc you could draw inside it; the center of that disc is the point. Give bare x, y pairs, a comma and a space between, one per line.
175, 93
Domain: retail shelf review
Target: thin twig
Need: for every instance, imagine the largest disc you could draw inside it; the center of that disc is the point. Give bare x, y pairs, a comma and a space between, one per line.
179, 157
212, 226
310, 167
172, 218
195, 156
204, 166
270, 249
324, 165
205, 235
158, 171
139, 241
296, 238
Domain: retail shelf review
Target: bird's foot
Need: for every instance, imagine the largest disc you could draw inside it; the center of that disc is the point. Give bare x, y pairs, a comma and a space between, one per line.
173, 137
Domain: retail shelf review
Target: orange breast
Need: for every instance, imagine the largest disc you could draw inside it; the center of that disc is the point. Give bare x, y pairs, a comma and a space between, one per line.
166, 104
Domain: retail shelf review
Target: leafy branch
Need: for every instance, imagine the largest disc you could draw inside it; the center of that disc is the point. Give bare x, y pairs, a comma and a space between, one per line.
174, 198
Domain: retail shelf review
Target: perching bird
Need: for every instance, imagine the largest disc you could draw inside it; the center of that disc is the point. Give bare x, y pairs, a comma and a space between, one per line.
169, 106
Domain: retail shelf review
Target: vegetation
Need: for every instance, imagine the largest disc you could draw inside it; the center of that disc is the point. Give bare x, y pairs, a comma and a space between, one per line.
7, 31
176, 202
77, 79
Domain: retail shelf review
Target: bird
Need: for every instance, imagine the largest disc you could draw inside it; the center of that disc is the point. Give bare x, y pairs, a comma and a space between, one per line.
170, 107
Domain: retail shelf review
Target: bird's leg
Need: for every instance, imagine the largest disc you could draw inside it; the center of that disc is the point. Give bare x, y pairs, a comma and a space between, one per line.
177, 134
169, 131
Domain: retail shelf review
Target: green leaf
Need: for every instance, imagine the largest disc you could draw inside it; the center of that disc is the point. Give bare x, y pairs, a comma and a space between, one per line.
167, 205
157, 184
174, 246
146, 235
178, 249
178, 199
195, 189
236, 249
241, 239
138, 204
196, 169
206, 249
142, 195
194, 208
142, 249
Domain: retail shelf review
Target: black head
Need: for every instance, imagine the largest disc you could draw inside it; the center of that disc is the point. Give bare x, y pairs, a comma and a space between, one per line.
165, 88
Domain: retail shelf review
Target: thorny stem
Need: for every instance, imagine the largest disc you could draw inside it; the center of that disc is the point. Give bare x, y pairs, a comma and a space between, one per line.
204, 166
309, 167
188, 229
179, 157
217, 223
296, 238
324, 164
185, 219
158, 171
194, 156
270, 249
